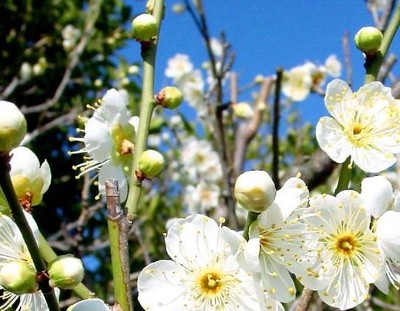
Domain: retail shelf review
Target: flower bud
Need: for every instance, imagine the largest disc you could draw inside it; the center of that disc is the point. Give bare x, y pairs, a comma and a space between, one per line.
255, 190
66, 272
144, 27
368, 39
169, 97
243, 110
18, 277
89, 305
151, 163
12, 126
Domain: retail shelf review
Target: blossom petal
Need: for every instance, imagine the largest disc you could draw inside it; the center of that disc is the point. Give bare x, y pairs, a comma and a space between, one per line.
331, 139
168, 278
377, 194
388, 232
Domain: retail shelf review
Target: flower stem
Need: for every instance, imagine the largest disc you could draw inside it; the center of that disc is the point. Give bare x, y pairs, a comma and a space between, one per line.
22, 223
372, 67
344, 177
118, 229
251, 217
147, 104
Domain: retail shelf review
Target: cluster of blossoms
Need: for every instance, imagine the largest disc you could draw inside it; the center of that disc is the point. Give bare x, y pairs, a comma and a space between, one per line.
203, 169
19, 280
299, 81
70, 36
336, 245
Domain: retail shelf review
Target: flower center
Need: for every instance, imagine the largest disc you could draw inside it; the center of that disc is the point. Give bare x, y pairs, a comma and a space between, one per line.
210, 283
122, 138
357, 128
346, 244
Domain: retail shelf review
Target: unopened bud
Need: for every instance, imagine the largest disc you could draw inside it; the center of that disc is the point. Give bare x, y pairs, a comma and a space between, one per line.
151, 163
144, 27
89, 305
243, 110
255, 190
368, 40
12, 126
18, 277
169, 97
66, 272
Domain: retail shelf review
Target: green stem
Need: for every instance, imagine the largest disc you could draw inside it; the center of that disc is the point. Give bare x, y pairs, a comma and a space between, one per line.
372, 67
147, 104
118, 229
251, 217
22, 223
344, 177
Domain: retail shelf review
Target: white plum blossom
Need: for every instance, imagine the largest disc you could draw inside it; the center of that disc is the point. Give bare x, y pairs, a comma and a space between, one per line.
201, 161
383, 205
364, 126
70, 36
297, 83
281, 244
108, 139
332, 66
30, 178
14, 249
201, 198
207, 272
350, 258
178, 66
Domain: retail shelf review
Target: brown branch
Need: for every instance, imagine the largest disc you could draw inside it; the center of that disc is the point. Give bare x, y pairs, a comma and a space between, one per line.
386, 67
74, 60
246, 130
305, 299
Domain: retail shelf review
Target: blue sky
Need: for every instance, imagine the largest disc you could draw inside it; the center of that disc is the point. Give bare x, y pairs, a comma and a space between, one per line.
266, 34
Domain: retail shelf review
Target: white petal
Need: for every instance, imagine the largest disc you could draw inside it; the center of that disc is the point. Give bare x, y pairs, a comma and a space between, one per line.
97, 139
388, 232
377, 194
89, 305
24, 162
293, 194
332, 140
45, 172
337, 100
382, 283
113, 108
276, 280
347, 288
372, 160
161, 286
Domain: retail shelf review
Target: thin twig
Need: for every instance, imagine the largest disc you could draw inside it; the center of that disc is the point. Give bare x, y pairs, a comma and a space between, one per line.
305, 299
275, 128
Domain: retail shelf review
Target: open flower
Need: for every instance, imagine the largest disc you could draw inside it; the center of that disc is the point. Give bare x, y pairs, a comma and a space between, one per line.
365, 126
381, 203
349, 252
14, 250
281, 244
109, 136
207, 272
297, 83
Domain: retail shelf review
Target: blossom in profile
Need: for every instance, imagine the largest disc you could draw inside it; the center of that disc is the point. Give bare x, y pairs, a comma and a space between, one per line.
30, 178
14, 250
281, 244
297, 83
178, 66
383, 205
207, 272
108, 140
364, 126
348, 248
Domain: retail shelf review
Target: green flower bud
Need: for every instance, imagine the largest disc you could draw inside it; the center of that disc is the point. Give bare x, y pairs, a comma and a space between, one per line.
65, 272
18, 277
12, 126
255, 190
169, 97
144, 27
151, 163
368, 39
